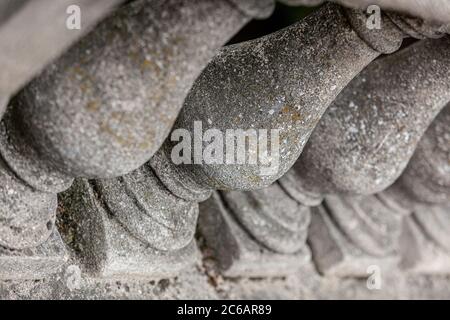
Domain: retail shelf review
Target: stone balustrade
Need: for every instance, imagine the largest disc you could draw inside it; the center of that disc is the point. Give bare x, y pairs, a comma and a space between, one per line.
104, 107
362, 130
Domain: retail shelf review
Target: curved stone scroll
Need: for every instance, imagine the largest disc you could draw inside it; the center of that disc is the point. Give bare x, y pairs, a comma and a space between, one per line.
108, 246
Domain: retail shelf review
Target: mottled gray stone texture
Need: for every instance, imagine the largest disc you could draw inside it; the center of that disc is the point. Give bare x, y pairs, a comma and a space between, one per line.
365, 140
33, 33
427, 177
36, 263
105, 106
107, 248
92, 204
235, 249
437, 10
282, 81
350, 251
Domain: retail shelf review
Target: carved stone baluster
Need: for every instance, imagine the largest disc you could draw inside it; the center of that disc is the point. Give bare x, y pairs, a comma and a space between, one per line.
105, 107
330, 23
156, 228
423, 191
369, 134
363, 161
250, 86
362, 145
423, 241
256, 233
292, 70
283, 81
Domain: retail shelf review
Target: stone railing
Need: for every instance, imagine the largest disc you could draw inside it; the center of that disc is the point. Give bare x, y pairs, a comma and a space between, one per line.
362, 168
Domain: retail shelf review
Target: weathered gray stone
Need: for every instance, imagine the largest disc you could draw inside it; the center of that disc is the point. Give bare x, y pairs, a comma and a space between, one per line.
236, 251
27, 216
435, 223
256, 8
365, 140
34, 263
425, 180
141, 203
104, 108
427, 177
347, 248
423, 252
105, 247
274, 220
282, 81
435, 10
32, 35
362, 144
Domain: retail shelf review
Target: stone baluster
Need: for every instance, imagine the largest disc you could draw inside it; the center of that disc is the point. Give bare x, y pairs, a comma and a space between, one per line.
282, 81
165, 221
167, 228
422, 193
366, 139
138, 226
268, 83
361, 145
381, 226
103, 108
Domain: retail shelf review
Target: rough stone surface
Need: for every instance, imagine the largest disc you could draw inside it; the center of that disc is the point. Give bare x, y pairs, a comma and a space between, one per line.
427, 177
148, 210
236, 251
107, 249
434, 10
26, 50
105, 106
270, 217
336, 254
282, 81
130, 76
420, 252
367, 137
36, 263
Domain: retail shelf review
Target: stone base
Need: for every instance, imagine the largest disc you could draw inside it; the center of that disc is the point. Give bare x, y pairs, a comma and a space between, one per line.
236, 253
420, 254
334, 254
107, 250
33, 264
